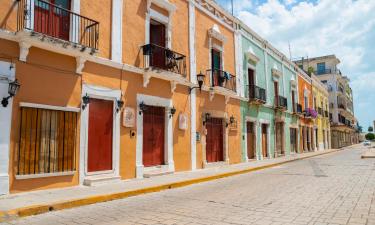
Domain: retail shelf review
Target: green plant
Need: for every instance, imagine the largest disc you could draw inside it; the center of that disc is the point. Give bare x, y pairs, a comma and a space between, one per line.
310, 70
370, 136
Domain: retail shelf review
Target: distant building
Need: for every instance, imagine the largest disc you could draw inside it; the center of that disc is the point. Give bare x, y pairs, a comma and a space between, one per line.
342, 119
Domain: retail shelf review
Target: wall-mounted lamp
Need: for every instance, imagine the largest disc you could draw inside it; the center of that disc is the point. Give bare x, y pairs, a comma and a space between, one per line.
120, 104
12, 91
85, 101
142, 108
172, 112
206, 118
200, 79
232, 120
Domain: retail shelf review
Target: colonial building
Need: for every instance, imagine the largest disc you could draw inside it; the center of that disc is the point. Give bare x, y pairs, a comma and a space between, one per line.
110, 90
322, 131
343, 121
268, 81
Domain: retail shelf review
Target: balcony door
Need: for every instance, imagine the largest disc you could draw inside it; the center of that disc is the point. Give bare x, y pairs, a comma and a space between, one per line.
251, 78
157, 39
216, 65
52, 18
276, 90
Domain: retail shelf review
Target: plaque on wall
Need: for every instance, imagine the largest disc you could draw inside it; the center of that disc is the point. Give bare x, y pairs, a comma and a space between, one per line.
129, 117
182, 121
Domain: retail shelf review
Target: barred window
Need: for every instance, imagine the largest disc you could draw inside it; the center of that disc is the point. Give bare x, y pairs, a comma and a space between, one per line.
47, 141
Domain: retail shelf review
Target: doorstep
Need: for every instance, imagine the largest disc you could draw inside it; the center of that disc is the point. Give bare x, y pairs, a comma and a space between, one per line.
31, 203
101, 179
155, 171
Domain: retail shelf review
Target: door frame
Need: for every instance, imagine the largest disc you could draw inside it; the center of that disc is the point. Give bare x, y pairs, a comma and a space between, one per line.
168, 132
255, 129
224, 116
6, 123
105, 94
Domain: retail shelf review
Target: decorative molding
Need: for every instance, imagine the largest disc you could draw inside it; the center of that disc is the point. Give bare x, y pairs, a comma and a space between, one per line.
146, 79
80, 64
24, 50
250, 55
227, 98
173, 86
214, 32
165, 4
211, 94
215, 12
276, 73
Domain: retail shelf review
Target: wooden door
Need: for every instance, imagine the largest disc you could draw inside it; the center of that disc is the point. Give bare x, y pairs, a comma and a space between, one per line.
153, 136
214, 140
250, 140
251, 83
264, 141
53, 20
157, 37
293, 139
100, 135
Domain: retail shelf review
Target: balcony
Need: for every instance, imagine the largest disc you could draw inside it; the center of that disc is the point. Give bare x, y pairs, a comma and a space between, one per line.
323, 71
281, 103
257, 94
220, 78
310, 113
320, 111
160, 58
43, 18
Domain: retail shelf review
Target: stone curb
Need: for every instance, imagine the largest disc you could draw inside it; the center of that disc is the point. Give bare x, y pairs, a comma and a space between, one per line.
39, 209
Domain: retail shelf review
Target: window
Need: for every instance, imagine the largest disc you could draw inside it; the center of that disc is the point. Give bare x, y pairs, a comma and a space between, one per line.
321, 67
324, 81
306, 102
47, 141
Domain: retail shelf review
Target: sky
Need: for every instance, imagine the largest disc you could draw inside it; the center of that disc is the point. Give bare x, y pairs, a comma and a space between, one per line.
345, 28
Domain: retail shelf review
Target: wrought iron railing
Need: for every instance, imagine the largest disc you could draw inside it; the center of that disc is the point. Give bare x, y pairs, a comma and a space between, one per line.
221, 78
55, 21
158, 57
257, 94
324, 71
281, 102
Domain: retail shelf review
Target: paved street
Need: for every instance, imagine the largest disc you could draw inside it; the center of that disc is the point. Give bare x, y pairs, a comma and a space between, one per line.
337, 188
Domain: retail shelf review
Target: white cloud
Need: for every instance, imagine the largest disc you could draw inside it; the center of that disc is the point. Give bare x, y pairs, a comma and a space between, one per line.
345, 28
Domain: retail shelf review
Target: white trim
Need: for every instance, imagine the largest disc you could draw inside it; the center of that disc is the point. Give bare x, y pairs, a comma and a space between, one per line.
268, 96
165, 4
75, 6
33, 176
159, 17
51, 107
168, 142
116, 45
193, 79
5, 125
106, 94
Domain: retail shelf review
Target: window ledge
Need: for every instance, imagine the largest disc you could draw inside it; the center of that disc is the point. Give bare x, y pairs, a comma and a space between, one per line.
41, 175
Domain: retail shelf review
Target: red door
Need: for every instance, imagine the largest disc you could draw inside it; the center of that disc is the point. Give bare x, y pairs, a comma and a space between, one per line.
53, 20
153, 136
264, 140
214, 140
100, 135
157, 37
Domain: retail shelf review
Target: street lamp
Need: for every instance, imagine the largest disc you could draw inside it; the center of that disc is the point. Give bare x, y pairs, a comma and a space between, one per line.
12, 91
200, 79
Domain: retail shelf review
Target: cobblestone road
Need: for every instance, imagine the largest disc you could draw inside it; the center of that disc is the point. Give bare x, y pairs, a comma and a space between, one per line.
337, 188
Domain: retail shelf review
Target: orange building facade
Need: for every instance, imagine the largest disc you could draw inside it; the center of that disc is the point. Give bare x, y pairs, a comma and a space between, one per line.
113, 94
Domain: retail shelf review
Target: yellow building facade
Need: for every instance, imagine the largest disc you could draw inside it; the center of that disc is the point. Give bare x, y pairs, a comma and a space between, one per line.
321, 123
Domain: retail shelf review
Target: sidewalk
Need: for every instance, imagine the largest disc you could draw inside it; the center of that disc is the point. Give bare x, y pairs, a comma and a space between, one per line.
31, 203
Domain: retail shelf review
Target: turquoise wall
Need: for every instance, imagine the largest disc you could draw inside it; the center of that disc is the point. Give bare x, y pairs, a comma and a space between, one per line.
266, 112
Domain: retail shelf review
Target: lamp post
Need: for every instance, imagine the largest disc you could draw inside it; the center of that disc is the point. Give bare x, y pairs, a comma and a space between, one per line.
200, 79
12, 91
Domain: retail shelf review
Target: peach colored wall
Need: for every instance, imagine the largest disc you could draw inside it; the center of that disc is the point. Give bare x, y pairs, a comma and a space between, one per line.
234, 136
302, 83
53, 83
8, 15
134, 23
203, 24
101, 11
